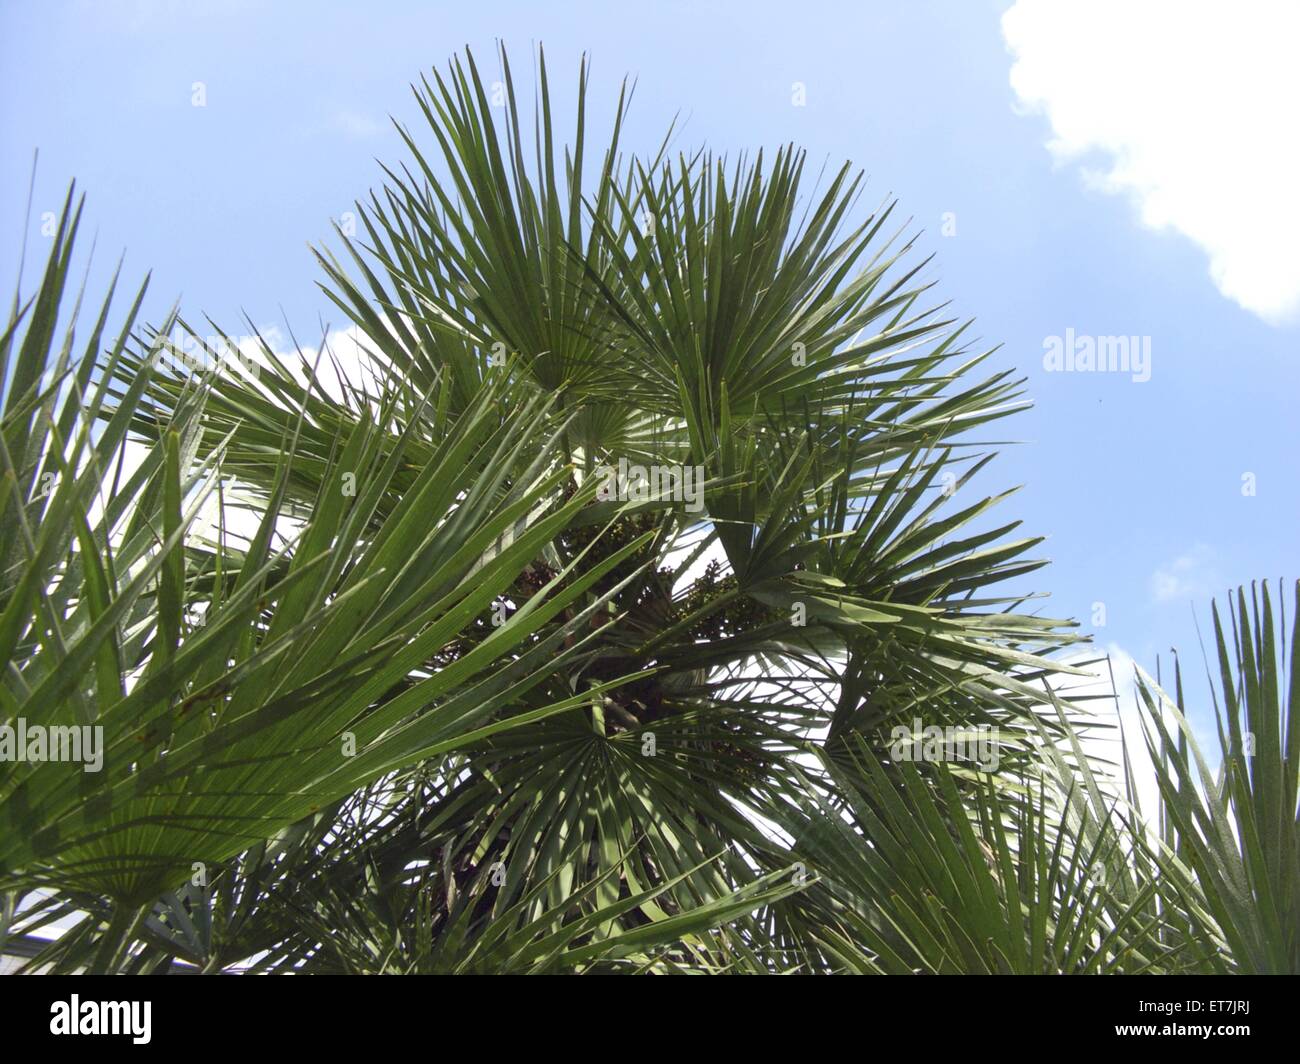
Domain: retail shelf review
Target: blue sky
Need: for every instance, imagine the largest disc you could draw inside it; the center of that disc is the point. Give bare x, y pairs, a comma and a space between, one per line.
1156, 211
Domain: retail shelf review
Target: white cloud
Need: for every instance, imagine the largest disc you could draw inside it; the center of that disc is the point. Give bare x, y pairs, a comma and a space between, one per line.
345, 357
356, 125
1122, 721
1191, 106
1189, 576
1116, 718
1119, 722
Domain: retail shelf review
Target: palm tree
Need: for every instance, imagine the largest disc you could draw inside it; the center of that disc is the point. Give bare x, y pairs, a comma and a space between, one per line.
574, 624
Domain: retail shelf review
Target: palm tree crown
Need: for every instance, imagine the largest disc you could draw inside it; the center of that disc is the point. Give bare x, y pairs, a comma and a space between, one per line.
569, 621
